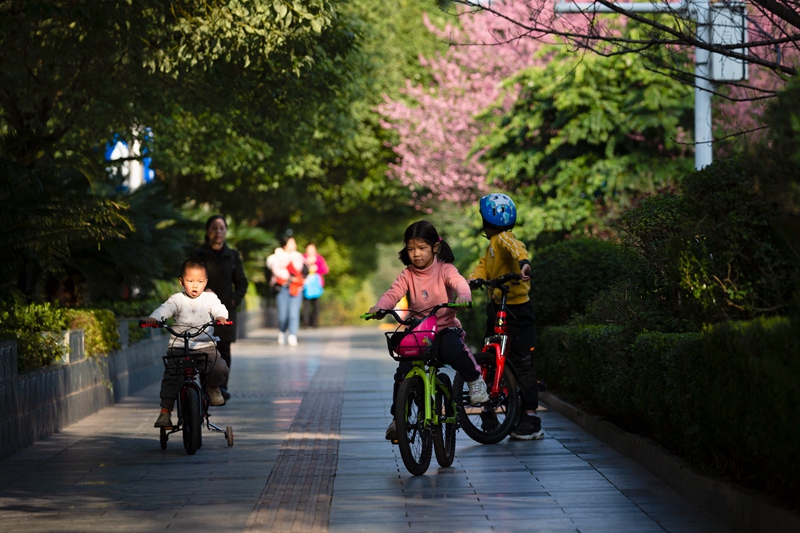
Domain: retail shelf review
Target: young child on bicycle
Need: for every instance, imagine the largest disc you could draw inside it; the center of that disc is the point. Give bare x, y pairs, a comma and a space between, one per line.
193, 306
507, 254
430, 279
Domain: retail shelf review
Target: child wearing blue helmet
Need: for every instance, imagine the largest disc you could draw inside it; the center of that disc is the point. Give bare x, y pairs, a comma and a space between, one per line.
505, 254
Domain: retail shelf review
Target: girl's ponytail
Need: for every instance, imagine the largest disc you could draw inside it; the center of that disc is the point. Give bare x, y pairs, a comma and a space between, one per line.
445, 254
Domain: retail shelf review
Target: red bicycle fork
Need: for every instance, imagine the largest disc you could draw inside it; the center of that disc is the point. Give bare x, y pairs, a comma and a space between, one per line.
500, 363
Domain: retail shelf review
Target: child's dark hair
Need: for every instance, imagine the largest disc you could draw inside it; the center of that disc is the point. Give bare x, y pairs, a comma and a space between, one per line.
212, 219
191, 263
424, 231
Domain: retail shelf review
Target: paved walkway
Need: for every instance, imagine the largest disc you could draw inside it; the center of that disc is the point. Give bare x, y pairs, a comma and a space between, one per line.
309, 455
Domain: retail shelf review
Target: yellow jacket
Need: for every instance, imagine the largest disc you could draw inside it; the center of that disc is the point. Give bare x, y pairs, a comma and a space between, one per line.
504, 254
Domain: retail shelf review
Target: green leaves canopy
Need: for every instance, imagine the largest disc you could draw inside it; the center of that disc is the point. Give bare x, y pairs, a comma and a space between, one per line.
587, 136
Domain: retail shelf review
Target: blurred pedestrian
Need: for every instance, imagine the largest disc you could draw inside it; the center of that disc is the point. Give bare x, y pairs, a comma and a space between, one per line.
313, 286
288, 272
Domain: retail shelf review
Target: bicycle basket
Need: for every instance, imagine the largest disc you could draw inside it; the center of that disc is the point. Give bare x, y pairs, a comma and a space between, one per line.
415, 343
176, 361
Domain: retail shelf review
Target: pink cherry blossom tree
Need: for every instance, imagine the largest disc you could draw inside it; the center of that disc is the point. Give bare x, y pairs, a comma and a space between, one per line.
437, 123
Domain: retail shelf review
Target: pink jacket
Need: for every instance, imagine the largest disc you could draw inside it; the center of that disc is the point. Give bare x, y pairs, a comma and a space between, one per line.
437, 284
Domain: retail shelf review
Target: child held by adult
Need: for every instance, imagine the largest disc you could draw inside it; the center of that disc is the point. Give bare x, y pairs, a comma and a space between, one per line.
288, 273
505, 254
194, 306
430, 279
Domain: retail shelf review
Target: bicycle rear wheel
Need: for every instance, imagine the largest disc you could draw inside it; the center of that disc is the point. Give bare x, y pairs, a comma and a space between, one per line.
444, 433
493, 421
413, 437
192, 421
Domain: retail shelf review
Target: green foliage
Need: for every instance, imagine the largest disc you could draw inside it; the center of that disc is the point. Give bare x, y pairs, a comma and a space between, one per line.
151, 249
631, 302
566, 275
37, 328
586, 137
100, 329
702, 395
45, 215
713, 251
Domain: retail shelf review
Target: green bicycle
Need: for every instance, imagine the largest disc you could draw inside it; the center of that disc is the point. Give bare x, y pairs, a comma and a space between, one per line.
426, 410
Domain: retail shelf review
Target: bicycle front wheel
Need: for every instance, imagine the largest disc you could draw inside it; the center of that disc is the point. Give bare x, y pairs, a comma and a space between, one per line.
493, 421
192, 421
413, 436
444, 433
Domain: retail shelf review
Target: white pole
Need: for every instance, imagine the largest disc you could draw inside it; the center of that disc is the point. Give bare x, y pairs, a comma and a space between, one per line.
703, 153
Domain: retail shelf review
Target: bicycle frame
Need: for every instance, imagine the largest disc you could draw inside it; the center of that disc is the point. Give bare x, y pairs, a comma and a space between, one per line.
498, 342
428, 375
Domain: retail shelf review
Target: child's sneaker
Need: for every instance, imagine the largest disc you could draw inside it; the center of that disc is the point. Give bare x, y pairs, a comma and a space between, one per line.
215, 397
164, 420
292, 340
281, 338
529, 428
391, 432
477, 392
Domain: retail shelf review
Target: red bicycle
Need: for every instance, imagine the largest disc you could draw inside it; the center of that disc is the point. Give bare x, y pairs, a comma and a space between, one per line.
492, 421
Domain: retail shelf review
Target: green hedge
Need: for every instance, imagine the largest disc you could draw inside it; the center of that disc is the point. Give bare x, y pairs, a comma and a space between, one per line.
38, 328
99, 326
725, 399
568, 274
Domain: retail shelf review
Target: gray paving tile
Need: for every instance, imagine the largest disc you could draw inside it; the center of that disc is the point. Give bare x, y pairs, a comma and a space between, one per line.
108, 473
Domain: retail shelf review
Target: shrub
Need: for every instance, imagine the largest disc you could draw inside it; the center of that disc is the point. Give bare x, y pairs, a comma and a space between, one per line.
633, 304
724, 399
99, 326
713, 252
37, 329
568, 274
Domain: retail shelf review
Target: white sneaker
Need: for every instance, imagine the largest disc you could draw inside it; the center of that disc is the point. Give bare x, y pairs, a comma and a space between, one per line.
281, 338
292, 340
477, 392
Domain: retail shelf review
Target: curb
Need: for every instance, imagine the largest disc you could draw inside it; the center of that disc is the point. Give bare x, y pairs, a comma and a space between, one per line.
740, 508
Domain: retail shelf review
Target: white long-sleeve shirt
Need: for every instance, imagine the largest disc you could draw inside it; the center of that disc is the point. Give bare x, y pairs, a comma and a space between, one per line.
190, 312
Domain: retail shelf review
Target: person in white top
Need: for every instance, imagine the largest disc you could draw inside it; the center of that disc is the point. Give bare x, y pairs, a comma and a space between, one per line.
288, 270
193, 306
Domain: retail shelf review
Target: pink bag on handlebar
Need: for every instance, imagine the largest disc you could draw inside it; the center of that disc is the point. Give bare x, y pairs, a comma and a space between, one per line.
418, 341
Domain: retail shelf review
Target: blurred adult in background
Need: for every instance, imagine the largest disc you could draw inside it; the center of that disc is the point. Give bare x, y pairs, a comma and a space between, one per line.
316, 266
226, 278
288, 273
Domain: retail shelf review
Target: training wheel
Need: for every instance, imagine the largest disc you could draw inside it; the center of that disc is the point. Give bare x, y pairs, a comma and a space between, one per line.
163, 438
229, 435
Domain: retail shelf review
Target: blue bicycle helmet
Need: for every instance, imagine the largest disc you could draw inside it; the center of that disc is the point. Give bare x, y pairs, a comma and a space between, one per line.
498, 211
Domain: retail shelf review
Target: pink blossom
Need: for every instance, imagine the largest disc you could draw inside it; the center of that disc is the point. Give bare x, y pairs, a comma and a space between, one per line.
437, 124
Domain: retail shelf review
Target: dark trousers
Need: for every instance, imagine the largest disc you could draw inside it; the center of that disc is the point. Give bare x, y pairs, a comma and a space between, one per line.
311, 312
522, 339
453, 352
224, 349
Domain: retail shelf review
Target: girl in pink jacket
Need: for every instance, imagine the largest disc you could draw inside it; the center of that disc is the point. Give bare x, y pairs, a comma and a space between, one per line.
430, 279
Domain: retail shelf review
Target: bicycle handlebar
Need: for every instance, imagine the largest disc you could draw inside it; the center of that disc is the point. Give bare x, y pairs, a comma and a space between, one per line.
499, 282
186, 334
381, 313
